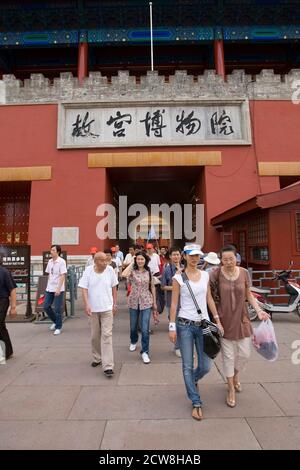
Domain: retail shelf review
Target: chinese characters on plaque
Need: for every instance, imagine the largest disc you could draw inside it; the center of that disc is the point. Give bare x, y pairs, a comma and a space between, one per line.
107, 126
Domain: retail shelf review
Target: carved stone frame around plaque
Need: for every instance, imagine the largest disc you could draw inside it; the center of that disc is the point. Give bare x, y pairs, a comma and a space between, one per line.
68, 111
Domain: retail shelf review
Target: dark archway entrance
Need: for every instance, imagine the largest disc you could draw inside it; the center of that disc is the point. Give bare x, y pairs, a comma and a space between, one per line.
156, 185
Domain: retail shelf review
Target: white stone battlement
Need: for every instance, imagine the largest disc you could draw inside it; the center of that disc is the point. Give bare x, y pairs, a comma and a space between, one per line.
96, 88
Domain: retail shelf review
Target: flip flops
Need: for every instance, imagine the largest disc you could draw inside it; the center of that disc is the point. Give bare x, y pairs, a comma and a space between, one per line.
197, 413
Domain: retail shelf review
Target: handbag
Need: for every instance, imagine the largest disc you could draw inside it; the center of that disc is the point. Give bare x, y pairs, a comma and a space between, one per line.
211, 339
160, 298
211, 333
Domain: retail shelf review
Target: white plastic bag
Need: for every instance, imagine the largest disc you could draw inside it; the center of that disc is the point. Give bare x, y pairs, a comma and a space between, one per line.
264, 340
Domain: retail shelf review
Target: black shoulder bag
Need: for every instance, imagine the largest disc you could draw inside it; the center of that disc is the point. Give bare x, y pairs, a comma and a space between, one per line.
211, 333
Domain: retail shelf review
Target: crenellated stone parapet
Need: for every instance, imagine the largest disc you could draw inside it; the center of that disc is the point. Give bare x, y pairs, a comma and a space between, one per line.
96, 88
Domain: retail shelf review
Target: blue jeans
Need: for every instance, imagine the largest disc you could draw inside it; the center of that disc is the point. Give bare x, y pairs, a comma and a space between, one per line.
190, 336
56, 315
144, 323
177, 345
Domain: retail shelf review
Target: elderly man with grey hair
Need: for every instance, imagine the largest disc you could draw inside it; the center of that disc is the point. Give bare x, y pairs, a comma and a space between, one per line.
99, 290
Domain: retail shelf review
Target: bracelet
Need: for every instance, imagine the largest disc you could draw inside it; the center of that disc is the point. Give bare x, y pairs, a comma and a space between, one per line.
172, 326
216, 317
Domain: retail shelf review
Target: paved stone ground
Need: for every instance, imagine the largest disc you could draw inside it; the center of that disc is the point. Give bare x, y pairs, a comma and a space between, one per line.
50, 397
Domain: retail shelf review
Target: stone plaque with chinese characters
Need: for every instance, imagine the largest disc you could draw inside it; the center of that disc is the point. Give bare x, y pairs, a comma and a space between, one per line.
128, 125
65, 235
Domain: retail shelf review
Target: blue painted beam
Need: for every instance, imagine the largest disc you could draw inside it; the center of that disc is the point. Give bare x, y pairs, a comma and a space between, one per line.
42, 38
142, 35
261, 33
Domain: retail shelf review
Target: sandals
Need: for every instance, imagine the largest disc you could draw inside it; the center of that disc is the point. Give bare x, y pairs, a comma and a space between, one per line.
230, 401
238, 387
197, 413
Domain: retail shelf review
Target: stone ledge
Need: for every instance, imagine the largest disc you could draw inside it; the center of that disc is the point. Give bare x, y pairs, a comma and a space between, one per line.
96, 88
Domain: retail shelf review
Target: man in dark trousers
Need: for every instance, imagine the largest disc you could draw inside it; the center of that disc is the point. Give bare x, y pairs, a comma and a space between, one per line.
8, 296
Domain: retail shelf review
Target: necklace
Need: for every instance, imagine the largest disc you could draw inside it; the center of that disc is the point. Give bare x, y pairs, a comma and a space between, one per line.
231, 276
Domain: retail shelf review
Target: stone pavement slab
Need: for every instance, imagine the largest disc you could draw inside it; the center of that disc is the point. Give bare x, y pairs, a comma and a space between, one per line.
276, 433
181, 434
69, 336
266, 371
64, 374
51, 435
160, 402
253, 401
14, 366
142, 402
63, 355
34, 403
293, 326
160, 374
286, 395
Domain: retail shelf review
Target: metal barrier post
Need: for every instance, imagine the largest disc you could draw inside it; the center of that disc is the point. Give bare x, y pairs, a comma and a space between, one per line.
71, 283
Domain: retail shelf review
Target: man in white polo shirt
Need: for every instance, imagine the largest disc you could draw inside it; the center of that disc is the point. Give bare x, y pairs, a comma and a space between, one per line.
154, 263
56, 269
99, 291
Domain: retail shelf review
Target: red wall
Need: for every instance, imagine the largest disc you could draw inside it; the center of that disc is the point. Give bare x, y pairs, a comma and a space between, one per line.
228, 185
275, 137
276, 125
28, 138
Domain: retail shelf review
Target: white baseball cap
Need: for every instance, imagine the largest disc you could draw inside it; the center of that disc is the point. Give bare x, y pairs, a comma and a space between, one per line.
192, 249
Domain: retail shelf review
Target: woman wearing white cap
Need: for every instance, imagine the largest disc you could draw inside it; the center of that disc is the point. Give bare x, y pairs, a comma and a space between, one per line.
188, 324
211, 261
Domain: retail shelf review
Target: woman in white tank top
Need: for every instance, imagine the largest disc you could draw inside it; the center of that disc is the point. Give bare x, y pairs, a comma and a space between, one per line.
188, 323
